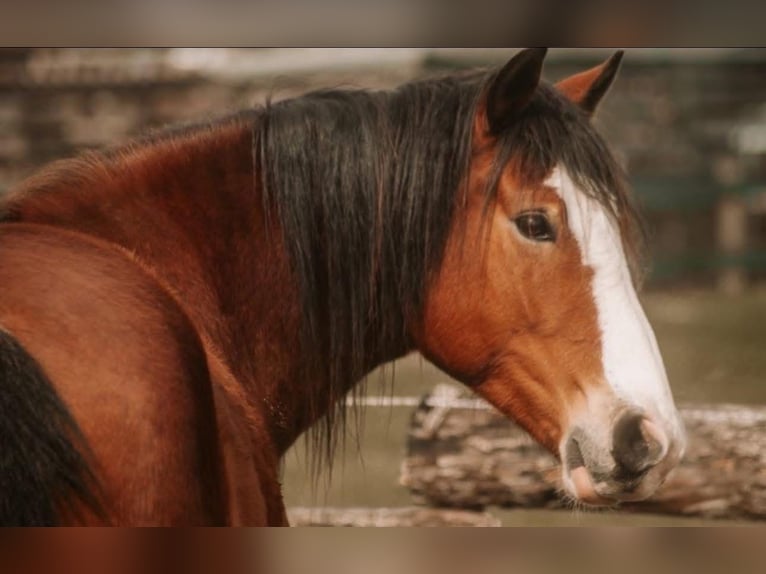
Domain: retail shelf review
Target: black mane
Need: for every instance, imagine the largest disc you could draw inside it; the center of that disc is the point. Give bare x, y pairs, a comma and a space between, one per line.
367, 185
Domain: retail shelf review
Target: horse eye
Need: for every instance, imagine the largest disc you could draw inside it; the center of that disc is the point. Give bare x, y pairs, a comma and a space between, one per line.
534, 225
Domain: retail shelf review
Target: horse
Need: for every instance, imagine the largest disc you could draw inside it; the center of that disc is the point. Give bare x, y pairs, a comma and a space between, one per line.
176, 311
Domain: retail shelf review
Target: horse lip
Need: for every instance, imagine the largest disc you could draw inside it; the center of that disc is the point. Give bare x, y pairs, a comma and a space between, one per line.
579, 479
585, 489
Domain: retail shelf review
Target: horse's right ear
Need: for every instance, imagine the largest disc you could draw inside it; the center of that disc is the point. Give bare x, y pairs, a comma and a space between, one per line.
512, 88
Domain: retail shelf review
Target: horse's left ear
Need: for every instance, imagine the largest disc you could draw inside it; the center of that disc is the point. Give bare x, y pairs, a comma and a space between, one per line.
586, 89
512, 88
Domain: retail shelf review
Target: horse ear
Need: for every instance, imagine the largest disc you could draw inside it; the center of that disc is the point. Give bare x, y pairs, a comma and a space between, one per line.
512, 88
587, 88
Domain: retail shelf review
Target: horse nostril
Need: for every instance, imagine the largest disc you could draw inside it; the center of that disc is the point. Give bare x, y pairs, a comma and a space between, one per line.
638, 443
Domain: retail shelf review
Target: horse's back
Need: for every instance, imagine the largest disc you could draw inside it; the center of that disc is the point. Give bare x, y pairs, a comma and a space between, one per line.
129, 366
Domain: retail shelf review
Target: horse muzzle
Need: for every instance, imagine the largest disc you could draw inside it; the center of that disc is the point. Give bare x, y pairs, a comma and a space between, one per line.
628, 461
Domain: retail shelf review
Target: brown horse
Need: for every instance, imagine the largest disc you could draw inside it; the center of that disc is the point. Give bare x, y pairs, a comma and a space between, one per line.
175, 313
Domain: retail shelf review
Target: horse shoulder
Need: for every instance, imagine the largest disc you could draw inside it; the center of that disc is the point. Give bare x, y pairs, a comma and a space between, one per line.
127, 363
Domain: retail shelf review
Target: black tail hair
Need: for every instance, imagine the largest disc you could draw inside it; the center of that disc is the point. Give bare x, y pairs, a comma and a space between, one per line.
43, 471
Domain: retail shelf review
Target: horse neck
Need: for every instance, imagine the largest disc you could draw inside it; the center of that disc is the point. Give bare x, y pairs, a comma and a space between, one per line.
190, 210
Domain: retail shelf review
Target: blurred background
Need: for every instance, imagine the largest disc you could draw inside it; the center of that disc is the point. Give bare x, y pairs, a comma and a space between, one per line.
689, 125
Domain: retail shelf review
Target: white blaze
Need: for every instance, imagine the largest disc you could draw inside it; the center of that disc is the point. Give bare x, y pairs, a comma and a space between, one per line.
632, 363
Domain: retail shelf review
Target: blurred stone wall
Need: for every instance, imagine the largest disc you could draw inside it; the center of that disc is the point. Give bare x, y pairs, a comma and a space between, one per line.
55, 103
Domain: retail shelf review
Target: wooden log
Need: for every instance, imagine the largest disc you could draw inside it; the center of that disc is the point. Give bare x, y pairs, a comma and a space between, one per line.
405, 516
473, 457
